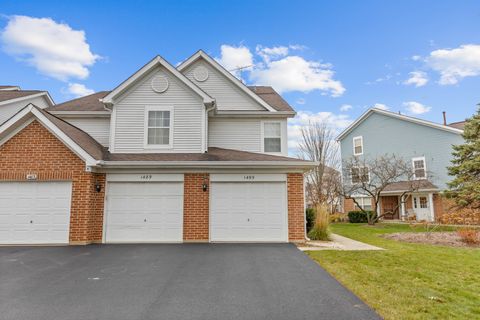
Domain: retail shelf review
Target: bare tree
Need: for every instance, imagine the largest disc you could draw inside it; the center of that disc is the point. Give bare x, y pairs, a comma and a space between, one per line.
371, 178
318, 144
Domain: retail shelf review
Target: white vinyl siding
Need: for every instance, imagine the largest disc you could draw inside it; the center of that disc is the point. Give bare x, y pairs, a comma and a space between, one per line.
241, 134
8, 110
227, 94
98, 128
187, 122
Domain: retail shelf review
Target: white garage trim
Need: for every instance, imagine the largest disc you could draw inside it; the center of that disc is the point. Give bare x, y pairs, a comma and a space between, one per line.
250, 187
145, 177
35, 212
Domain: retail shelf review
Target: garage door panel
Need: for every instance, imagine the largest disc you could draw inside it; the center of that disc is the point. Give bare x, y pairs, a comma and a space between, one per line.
248, 211
152, 213
35, 212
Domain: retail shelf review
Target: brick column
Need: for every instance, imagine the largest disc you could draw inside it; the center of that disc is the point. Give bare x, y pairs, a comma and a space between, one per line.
196, 207
296, 207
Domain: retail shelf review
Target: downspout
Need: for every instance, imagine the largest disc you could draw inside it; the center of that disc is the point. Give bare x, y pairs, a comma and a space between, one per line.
206, 125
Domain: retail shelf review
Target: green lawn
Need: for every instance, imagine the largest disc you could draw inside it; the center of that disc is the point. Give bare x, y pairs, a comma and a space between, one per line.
406, 281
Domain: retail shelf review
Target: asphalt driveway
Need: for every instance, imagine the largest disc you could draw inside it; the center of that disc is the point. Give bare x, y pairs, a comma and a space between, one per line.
187, 281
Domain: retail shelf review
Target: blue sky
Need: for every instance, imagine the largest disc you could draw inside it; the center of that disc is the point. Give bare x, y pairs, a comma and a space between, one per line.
417, 57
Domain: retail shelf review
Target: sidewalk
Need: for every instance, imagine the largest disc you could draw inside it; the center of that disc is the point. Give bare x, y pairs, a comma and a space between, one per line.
338, 243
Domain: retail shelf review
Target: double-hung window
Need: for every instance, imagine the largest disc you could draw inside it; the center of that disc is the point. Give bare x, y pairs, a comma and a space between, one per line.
158, 128
357, 146
364, 202
272, 137
419, 168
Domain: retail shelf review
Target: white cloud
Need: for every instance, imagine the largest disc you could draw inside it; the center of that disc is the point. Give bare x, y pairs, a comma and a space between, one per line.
455, 64
381, 106
416, 107
417, 78
281, 70
337, 122
54, 49
301, 101
233, 58
345, 107
79, 90
416, 58
293, 73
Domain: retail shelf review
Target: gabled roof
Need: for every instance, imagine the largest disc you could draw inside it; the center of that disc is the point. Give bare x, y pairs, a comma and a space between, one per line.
202, 55
270, 96
370, 111
86, 103
9, 88
11, 96
82, 144
157, 61
458, 125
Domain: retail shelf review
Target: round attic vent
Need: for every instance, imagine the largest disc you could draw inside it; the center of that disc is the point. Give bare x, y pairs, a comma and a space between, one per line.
160, 84
200, 73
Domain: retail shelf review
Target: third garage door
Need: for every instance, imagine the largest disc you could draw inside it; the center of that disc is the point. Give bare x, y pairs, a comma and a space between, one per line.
248, 211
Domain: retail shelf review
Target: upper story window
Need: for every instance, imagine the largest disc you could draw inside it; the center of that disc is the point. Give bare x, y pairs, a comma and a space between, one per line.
357, 146
419, 168
359, 174
272, 137
158, 128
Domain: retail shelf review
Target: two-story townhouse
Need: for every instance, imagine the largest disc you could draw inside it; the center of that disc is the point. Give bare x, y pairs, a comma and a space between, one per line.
13, 99
172, 154
424, 144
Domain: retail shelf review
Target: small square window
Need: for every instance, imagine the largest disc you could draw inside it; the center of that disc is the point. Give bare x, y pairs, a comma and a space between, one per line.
359, 174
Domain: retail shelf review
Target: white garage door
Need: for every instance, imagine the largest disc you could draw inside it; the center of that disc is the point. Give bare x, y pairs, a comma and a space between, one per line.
35, 212
144, 212
248, 211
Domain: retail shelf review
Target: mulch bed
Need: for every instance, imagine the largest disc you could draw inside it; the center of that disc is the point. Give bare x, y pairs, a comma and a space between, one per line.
450, 239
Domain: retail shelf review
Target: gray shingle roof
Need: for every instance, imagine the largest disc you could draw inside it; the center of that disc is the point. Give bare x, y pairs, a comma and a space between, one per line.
10, 95
87, 103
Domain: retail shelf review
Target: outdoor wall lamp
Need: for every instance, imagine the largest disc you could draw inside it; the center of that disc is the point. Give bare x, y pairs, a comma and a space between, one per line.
205, 184
98, 186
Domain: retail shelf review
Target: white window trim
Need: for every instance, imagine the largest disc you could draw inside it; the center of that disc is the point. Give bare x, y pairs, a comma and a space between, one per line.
424, 167
145, 134
262, 129
361, 143
362, 202
351, 176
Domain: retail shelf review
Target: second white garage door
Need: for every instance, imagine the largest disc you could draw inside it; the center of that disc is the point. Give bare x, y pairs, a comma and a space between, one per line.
248, 212
144, 212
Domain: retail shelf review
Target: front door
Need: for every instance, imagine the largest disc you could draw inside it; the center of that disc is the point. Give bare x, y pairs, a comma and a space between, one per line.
390, 207
421, 207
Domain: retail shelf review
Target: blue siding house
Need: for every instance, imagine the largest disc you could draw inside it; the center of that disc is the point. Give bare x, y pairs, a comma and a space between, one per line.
427, 145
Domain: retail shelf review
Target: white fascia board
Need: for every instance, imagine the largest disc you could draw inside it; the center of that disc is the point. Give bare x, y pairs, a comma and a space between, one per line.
253, 114
399, 192
211, 164
81, 114
146, 68
398, 116
35, 95
222, 70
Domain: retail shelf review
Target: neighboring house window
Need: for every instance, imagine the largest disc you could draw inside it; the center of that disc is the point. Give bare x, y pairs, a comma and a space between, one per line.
360, 174
357, 146
158, 127
423, 202
272, 137
364, 202
419, 168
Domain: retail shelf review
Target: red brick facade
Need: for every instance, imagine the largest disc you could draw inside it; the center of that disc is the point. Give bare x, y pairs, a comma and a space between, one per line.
296, 207
35, 150
196, 207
